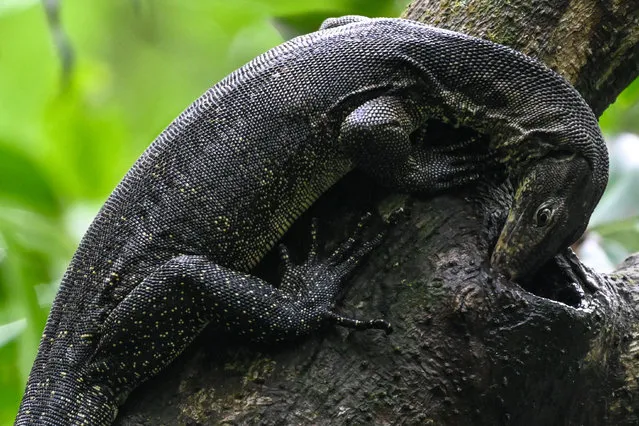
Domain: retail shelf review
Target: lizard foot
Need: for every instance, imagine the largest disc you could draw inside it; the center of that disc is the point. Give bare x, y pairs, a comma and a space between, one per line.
317, 283
444, 167
461, 147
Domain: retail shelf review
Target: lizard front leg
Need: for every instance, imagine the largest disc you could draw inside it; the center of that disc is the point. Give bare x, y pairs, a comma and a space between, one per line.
380, 137
166, 311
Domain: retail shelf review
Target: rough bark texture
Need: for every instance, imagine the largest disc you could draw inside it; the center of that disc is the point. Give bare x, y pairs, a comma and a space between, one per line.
469, 347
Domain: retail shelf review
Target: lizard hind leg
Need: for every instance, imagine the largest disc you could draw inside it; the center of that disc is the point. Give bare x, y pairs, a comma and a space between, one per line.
167, 310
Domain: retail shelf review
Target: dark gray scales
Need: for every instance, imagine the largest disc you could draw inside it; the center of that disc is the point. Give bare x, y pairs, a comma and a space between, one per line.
172, 247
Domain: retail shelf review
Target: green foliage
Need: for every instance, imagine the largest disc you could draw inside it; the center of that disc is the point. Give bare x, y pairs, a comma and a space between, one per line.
622, 116
614, 226
66, 142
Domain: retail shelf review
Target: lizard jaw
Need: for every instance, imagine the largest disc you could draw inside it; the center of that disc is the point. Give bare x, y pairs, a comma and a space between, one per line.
501, 260
506, 251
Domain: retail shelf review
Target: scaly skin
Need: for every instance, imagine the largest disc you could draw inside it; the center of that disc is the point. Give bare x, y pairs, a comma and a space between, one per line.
171, 249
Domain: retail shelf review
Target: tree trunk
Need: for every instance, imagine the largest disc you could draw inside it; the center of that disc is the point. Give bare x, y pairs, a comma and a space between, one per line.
469, 347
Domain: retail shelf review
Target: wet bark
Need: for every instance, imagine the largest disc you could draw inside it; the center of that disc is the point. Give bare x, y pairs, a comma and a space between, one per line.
468, 347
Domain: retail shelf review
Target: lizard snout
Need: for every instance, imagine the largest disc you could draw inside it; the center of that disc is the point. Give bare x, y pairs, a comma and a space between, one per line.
499, 261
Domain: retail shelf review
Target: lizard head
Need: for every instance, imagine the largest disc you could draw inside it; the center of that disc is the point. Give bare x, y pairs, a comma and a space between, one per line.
553, 203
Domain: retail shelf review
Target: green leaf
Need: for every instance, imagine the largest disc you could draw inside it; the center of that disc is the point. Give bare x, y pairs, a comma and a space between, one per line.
23, 180
11, 330
621, 116
8, 6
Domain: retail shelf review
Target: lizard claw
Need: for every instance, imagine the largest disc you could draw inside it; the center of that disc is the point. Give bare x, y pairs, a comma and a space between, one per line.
356, 324
317, 282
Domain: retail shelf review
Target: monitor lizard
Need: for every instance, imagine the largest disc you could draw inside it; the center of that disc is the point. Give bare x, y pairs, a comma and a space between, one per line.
172, 248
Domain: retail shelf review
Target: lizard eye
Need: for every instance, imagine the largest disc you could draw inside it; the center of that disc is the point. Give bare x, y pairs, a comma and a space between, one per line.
542, 217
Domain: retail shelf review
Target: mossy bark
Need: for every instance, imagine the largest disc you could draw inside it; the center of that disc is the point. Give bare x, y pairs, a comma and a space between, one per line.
469, 347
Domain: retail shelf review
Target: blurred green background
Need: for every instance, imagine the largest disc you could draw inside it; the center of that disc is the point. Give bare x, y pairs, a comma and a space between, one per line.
66, 139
